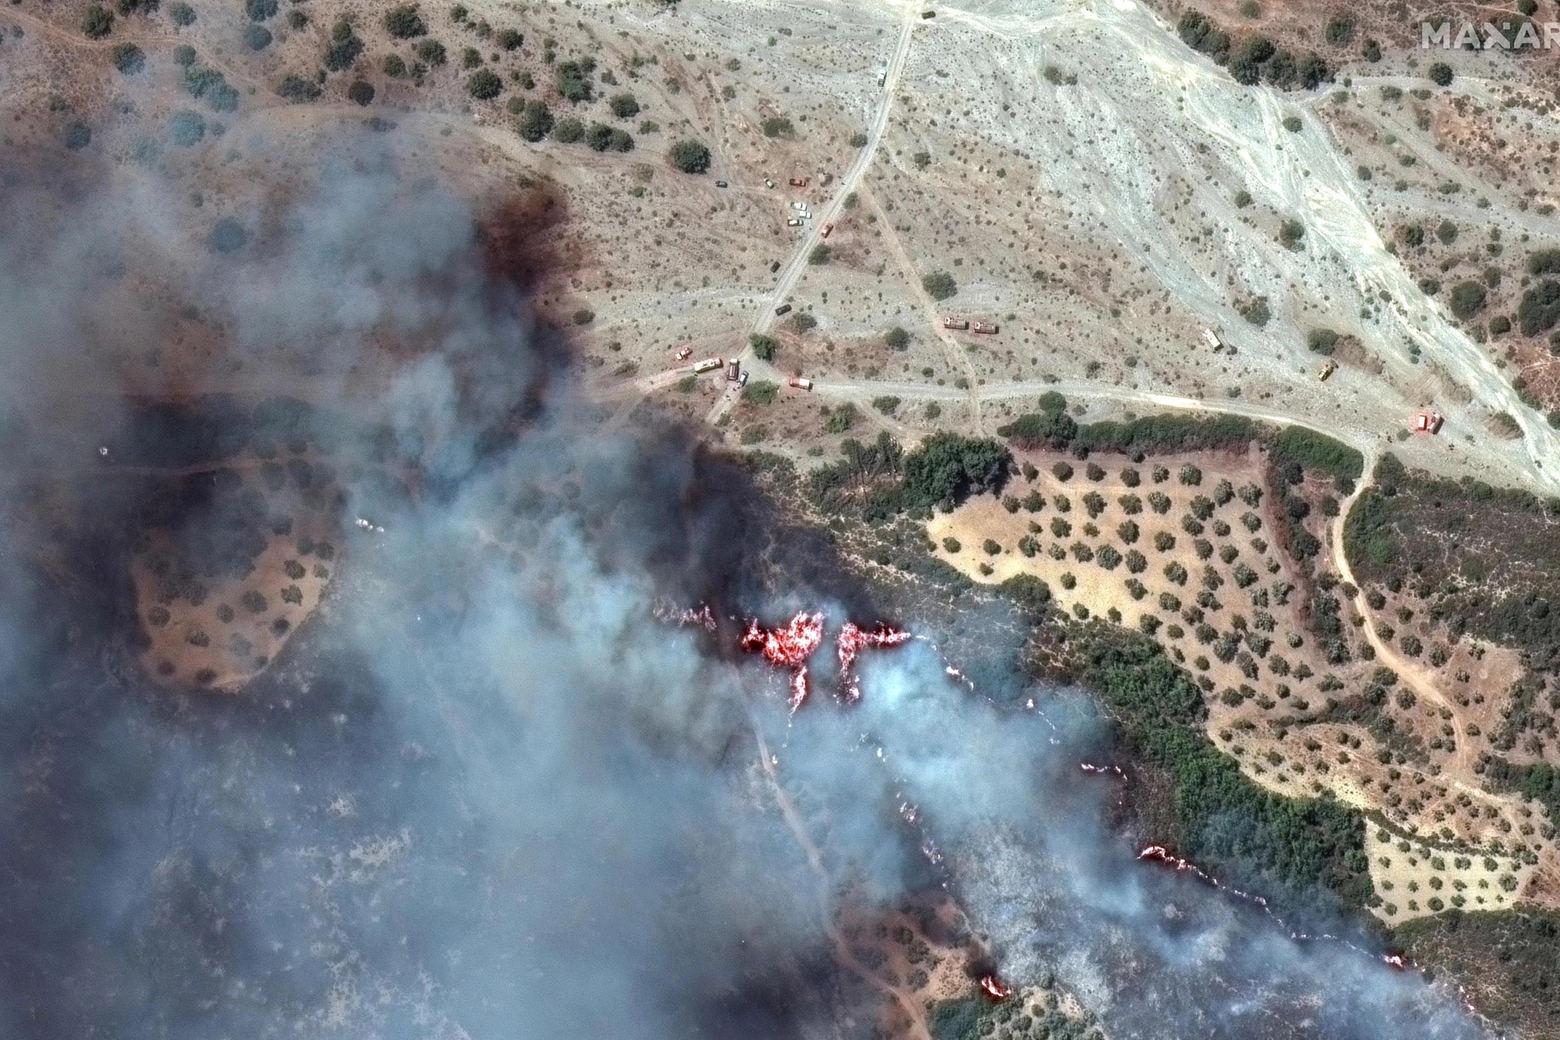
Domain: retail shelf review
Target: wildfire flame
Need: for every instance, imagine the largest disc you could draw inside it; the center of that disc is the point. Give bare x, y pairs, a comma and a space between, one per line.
788, 646
849, 644
995, 988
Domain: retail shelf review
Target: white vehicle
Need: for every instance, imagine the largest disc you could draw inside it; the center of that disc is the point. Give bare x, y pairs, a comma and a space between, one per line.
707, 365
794, 222
800, 383
768, 183
1212, 339
798, 205
882, 76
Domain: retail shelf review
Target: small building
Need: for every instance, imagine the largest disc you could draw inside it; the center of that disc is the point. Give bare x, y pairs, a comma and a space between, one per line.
985, 328
1212, 339
956, 323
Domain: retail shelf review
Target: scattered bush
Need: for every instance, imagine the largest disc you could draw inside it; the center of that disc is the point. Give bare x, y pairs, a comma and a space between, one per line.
431, 53
361, 92
181, 14
777, 126
187, 128
344, 48
896, 338
1440, 74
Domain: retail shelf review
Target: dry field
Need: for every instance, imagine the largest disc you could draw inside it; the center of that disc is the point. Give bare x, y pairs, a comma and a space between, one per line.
219, 612
1180, 548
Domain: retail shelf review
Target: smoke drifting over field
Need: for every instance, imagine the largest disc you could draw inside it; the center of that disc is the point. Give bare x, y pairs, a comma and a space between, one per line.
487, 793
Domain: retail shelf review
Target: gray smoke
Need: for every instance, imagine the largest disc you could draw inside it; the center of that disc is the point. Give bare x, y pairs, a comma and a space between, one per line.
485, 793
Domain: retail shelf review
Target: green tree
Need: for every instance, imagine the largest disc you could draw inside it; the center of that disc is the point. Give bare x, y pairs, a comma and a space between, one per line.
361, 92
511, 39
181, 14
431, 52
1467, 299
536, 121
820, 254
403, 22
764, 347
896, 338
484, 85
344, 47
573, 80
690, 156
1440, 74
947, 468
568, 131
128, 58
624, 106
97, 22
761, 392
939, 285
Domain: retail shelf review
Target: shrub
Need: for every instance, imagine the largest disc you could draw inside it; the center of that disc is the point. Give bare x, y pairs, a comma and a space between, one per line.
128, 58
361, 92
97, 22
1062, 471
344, 48
764, 347
1544, 261
896, 338
187, 128
803, 321
690, 156
257, 37
1290, 232
1539, 309
484, 85
889, 404
1164, 541
1467, 299
181, 14
227, 236
841, 419
573, 80
511, 39
1293, 125
294, 88
403, 22
1190, 475
939, 285
820, 254
624, 106
1339, 31
77, 136
762, 392
260, 10
568, 131
431, 52
1137, 563
991, 546
536, 121
1321, 341
777, 126
1440, 74
184, 55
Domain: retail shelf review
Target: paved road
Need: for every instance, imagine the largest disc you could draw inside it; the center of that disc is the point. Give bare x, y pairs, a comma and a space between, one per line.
791, 273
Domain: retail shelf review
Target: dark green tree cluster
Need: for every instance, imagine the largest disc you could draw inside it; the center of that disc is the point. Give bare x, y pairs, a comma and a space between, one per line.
1255, 60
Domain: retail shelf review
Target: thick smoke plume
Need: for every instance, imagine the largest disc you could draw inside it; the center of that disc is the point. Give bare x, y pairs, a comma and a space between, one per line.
485, 792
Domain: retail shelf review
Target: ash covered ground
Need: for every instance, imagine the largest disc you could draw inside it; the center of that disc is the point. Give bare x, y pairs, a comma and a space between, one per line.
483, 790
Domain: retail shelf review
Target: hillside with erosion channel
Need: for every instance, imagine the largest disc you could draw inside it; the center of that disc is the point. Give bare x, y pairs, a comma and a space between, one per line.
1338, 674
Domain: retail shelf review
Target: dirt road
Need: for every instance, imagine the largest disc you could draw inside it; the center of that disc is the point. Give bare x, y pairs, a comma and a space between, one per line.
792, 271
